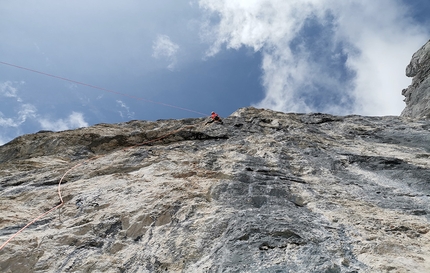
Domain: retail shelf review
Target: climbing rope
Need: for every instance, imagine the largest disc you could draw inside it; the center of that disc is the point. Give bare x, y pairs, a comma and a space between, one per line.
84, 162
103, 89
95, 157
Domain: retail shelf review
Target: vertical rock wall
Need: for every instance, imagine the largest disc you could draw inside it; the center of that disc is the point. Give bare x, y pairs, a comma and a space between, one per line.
417, 95
264, 192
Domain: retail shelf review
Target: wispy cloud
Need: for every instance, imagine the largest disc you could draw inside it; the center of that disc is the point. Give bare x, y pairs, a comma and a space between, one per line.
25, 112
9, 89
163, 47
321, 55
74, 120
7, 122
15, 112
127, 113
10, 127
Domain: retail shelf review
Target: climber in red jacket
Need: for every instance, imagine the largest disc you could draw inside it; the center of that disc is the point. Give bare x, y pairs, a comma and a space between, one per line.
214, 117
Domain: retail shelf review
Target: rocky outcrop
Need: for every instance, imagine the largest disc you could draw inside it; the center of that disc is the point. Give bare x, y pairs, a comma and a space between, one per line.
265, 192
417, 95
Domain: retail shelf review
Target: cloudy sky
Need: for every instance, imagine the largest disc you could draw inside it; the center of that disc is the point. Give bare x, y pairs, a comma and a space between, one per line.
185, 58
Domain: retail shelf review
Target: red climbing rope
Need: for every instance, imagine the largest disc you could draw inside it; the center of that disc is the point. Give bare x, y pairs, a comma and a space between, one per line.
74, 167
77, 165
103, 89
49, 211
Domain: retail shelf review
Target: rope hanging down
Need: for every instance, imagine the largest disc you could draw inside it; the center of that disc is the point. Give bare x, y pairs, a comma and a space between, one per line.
103, 89
76, 166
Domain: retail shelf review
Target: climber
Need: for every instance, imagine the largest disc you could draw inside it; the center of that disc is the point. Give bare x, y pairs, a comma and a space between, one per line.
214, 117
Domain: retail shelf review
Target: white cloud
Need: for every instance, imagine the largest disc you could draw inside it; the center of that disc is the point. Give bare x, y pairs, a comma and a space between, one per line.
321, 55
11, 126
7, 122
8, 89
163, 47
75, 120
22, 111
386, 42
17, 112
128, 113
25, 112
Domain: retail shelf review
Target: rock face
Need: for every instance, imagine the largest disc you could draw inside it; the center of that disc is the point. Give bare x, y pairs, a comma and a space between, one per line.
417, 95
265, 192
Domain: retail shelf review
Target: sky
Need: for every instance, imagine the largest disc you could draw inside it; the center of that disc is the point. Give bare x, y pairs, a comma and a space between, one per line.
174, 59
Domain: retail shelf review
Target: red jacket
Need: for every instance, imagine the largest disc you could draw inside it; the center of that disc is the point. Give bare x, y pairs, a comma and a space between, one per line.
214, 115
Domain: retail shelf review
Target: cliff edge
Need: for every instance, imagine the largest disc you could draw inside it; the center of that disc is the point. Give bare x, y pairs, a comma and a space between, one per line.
264, 192
417, 95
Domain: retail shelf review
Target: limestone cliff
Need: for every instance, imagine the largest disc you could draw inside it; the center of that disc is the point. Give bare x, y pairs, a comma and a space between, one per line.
265, 192
417, 95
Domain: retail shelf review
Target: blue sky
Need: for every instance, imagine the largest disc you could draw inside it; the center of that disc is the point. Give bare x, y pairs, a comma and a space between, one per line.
339, 57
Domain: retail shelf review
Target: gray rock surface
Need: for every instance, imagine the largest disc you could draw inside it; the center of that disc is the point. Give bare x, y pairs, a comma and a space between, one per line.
417, 95
265, 192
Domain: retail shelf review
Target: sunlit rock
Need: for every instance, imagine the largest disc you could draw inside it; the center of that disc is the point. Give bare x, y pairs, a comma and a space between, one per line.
264, 192
417, 95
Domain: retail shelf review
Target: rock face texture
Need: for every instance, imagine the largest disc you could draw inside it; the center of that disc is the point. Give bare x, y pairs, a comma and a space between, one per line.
417, 95
265, 192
